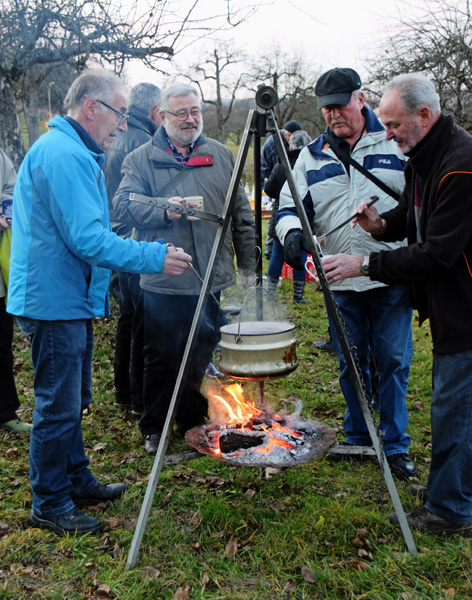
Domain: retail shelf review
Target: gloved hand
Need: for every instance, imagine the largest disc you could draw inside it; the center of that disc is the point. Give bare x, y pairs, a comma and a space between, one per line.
294, 245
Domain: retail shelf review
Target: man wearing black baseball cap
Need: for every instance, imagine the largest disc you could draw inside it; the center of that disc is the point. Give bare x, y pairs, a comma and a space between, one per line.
378, 317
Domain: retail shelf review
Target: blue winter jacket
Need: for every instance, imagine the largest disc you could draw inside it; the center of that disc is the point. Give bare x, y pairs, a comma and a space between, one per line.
62, 244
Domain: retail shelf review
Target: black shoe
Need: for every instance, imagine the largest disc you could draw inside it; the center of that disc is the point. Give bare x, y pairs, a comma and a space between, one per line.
122, 405
402, 466
424, 520
299, 301
326, 346
151, 442
100, 493
73, 521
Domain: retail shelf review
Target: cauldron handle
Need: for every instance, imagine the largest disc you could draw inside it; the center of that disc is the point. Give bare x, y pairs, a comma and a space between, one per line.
237, 337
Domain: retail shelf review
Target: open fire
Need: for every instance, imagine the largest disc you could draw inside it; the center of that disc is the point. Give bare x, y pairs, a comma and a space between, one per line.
242, 434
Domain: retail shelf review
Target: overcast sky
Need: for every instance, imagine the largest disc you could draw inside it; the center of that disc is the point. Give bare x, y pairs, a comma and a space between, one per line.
336, 33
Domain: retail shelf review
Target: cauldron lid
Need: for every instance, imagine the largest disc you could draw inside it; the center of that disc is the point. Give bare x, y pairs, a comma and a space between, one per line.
257, 327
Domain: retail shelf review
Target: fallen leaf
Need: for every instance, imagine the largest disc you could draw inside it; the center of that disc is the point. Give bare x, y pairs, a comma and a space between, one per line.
114, 522
196, 547
231, 547
308, 575
419, 404
167, 499
250, 538
182, 592
99, 447
153, 572
250, 493
116, 551
278, 505
361, 553
205, 579
11, 452
358, 565
449, 592
103, 590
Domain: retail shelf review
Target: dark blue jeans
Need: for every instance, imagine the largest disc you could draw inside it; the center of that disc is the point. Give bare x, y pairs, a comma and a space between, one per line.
61, 352
385, 315
167, 323
450, 474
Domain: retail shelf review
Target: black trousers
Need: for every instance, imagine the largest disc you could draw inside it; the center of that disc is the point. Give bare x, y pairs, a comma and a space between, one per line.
9, 402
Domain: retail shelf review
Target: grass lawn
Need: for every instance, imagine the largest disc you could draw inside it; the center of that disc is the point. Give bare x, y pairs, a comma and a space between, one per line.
316, 531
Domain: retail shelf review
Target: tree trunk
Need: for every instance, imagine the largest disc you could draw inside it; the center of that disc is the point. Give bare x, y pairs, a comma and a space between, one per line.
32, 116
10, 135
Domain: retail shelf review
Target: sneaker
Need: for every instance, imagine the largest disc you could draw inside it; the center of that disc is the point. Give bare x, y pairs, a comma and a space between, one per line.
325, 346
402, 466
424, 520
213, 373
355, 454
16, 426
71, 522
100, 493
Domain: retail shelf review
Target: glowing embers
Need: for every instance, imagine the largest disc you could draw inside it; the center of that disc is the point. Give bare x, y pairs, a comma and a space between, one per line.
241, 433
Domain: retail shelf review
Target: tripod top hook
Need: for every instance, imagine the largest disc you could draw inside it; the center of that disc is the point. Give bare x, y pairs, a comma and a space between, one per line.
266, 97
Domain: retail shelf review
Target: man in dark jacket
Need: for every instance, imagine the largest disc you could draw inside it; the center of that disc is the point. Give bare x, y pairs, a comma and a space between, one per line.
144, 101
204, 168
434, 213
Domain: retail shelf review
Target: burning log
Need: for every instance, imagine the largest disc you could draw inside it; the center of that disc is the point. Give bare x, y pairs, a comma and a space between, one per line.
259, 437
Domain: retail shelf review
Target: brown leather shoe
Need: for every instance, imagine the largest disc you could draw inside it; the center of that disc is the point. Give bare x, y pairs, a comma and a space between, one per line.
424, 520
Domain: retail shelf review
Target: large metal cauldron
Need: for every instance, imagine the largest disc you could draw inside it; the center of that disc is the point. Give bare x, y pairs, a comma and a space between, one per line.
258, 350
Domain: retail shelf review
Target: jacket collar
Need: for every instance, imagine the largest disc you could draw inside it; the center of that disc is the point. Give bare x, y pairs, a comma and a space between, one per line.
372, 127
425, 153
77, 132
139, 120
202, 155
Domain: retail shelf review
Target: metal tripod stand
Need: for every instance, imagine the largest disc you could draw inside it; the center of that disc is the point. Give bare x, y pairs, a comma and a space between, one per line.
256, 125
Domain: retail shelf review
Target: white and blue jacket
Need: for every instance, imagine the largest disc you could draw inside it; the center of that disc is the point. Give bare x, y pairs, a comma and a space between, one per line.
62, 244
330, 194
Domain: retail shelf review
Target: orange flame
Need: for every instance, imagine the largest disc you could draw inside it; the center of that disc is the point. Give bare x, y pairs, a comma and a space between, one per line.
237, 411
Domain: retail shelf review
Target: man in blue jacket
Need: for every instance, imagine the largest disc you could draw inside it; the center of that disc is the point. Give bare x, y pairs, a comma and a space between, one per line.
62, 253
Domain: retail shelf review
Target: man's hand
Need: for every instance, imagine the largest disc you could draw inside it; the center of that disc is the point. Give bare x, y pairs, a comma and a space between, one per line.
4, 224
175, 216
294, 245
342, 266
369, 219
176, 261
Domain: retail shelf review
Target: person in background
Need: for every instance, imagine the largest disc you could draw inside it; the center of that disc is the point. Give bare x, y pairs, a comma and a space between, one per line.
143, 121
434, 212
298, 140
269, 158
9, 401
330, 187
204, 167
62, 252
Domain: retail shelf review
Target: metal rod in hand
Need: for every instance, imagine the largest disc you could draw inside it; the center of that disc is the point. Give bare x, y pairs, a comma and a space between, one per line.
373, 200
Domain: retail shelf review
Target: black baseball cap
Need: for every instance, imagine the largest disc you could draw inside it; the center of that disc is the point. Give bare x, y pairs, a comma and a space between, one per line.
336, 86
292, 126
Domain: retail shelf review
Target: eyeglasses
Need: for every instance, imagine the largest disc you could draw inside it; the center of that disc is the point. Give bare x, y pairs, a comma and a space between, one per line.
121, 116
195, 113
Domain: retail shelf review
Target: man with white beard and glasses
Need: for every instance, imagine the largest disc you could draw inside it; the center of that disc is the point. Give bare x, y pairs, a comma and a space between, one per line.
180, 162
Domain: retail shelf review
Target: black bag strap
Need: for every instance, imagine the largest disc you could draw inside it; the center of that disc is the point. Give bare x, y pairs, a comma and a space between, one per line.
346, 156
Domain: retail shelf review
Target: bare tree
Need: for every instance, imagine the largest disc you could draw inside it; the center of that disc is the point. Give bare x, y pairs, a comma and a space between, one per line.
434, 38
294, 79
218, 81
35, 34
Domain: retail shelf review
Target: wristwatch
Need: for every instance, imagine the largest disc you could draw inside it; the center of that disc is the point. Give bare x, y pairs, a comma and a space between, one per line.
365, 266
